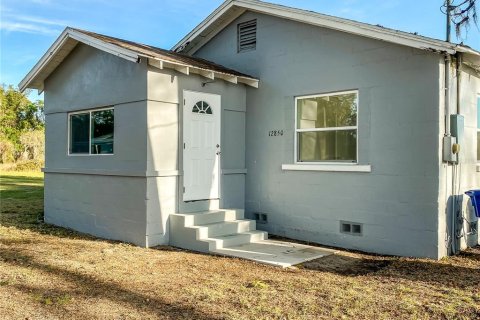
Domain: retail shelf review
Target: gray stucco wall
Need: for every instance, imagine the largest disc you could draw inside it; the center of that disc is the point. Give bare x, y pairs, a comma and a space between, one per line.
88, 79
103, 195
111, 207
165, 138
397, 202
129, 195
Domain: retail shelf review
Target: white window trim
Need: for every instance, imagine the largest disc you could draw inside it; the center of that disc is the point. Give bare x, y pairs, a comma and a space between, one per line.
330, 164
327, 167
89, 154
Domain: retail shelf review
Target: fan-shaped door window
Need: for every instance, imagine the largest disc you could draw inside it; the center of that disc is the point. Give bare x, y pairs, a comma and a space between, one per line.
201, 107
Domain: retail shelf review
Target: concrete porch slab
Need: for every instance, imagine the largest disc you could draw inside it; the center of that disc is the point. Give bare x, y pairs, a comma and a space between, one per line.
277, 253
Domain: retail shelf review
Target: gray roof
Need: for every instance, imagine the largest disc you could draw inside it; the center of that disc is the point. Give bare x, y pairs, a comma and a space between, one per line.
163, 54
131, 51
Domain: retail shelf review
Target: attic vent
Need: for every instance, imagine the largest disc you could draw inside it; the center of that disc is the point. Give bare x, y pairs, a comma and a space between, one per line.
247, 35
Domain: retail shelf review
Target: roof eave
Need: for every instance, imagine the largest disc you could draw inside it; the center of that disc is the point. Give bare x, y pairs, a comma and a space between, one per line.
55, 54
205, 23
344, 25
56, 47
26, 81
206, 73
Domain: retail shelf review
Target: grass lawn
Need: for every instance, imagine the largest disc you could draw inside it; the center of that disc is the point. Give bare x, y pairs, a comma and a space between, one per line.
53, 273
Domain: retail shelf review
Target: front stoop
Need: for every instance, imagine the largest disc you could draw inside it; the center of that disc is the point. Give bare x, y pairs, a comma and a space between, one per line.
207, 231
226, 232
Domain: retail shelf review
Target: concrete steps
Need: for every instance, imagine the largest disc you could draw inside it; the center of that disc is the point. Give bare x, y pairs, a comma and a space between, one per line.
209, 231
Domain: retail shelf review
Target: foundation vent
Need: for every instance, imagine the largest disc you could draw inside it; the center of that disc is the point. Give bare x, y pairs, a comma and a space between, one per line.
260, 217
352, 228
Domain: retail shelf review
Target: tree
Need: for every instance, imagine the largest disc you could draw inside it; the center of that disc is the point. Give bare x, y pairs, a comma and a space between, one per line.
33, 143
18, 115
461, 13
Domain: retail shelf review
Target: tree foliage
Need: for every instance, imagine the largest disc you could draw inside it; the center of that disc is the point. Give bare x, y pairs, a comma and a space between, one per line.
19, 118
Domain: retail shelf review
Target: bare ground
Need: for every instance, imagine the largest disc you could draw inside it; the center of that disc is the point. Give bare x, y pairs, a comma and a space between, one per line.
53, 273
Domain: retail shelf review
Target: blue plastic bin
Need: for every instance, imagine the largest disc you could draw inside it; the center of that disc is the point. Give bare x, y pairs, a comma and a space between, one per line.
475, 197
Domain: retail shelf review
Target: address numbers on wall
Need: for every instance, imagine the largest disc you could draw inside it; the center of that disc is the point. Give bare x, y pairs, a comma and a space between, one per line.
275, 133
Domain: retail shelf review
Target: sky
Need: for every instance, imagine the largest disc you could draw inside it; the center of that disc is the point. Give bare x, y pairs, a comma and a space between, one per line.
29, 27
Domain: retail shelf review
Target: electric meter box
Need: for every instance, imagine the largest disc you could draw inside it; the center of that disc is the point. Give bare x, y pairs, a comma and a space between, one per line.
448, 154
457, 127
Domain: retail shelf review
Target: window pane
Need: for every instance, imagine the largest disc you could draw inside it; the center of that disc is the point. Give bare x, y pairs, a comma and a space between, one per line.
79, 127
327, 112
478, 145
102, 132
337, 145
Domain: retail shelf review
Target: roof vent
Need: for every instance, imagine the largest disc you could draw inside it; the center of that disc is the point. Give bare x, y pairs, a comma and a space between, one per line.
247, 35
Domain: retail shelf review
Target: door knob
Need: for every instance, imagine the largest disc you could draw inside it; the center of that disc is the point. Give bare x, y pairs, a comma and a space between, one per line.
218, 153
218, 146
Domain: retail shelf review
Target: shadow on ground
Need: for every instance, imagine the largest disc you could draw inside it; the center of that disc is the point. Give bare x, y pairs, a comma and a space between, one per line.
87, 286
460, 272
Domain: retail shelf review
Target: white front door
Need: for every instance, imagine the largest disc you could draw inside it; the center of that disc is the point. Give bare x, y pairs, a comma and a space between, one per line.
201, 146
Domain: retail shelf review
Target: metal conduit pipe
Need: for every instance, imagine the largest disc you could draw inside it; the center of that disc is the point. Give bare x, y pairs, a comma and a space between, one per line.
448, 63
455, 218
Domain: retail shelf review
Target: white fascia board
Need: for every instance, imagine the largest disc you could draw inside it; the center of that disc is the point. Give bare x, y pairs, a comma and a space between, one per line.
470, 57
209, 74
317, 19
249, 82
205, 23
47, 56
205, 39
104, 46
57, 46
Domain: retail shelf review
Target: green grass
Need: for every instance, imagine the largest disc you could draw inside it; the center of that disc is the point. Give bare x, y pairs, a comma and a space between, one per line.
21, 199
21, 203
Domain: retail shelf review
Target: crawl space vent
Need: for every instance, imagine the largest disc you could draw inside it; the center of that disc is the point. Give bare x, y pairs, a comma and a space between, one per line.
247, 36
352, 228
260, 217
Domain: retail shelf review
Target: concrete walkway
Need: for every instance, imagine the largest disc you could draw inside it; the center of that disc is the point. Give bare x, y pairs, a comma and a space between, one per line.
277, 253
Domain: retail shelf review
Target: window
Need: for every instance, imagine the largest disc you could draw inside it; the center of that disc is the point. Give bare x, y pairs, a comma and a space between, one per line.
478, 129
247, 36
201, 107
91, 132
326, 128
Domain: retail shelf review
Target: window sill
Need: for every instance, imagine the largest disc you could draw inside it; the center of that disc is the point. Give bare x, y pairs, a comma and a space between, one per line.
327, 167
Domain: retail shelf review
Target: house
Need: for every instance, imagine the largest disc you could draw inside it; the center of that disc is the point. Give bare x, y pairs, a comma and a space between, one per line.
314, 127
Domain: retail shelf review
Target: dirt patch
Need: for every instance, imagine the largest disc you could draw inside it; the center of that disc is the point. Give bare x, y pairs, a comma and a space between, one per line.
349, 265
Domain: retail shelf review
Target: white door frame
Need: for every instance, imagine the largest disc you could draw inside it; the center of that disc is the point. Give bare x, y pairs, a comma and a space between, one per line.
201, 146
